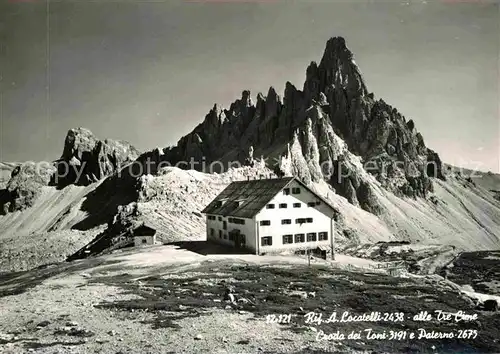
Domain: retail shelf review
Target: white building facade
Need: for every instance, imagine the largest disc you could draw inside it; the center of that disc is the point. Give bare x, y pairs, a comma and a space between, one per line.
144, 240
285, 216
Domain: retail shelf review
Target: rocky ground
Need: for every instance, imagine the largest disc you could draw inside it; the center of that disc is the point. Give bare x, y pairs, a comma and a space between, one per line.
480, 270
169, 299
420, 258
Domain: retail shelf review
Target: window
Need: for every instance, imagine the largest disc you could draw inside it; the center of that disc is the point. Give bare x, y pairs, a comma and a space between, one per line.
295, 190
300, 221
243, 239
309, 220
323, 236
220, 233
267, 241
270, 206
265, 222
296, 205
220, 218
286, 221
283, 206
231, 237
225, 236
287, 239
311, 236
144, 240
311, 204
224, 225
212, 232
286, 191
237, 221
300, 238
318, 203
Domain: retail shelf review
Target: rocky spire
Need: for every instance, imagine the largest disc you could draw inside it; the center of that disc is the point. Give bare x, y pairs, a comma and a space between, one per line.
333, 116
249, 160
338, 67
273, 103
312, 83
246, 100
214, 117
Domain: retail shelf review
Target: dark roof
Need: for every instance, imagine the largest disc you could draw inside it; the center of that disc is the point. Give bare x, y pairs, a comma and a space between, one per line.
245, 199
144, 230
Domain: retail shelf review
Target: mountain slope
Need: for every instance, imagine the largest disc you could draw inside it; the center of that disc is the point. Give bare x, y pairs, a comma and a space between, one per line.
355, 150
334, 103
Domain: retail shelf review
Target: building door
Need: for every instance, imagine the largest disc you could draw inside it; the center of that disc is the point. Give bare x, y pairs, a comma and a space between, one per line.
237, 240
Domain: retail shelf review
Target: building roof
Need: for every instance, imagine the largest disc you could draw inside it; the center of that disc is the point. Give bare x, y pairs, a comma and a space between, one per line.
245, 199
144, 227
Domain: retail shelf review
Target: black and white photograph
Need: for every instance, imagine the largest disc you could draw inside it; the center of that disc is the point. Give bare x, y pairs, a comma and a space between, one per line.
249, 176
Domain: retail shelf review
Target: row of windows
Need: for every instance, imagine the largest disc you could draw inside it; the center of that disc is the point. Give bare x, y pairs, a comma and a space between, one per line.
288, 221
286, 191
268, 206
237, 221
304, 220
213, 217
226, 236
295, 205
297, 238
231, 220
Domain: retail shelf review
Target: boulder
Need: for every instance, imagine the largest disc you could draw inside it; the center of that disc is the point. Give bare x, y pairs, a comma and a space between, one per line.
298, 294
490, 305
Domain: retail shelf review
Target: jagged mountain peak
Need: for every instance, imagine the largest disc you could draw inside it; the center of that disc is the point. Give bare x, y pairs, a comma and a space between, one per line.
337, 46
217, 109
246, 98
333, 105
338, 68
85, 159
77, 138
272, 92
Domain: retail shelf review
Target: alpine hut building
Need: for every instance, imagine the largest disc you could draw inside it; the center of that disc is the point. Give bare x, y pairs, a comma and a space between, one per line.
271, 216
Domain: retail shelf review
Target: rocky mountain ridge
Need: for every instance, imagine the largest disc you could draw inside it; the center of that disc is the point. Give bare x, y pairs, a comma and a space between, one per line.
85, 160
334, 102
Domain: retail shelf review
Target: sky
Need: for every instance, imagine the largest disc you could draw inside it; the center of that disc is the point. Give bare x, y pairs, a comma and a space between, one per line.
149, 71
